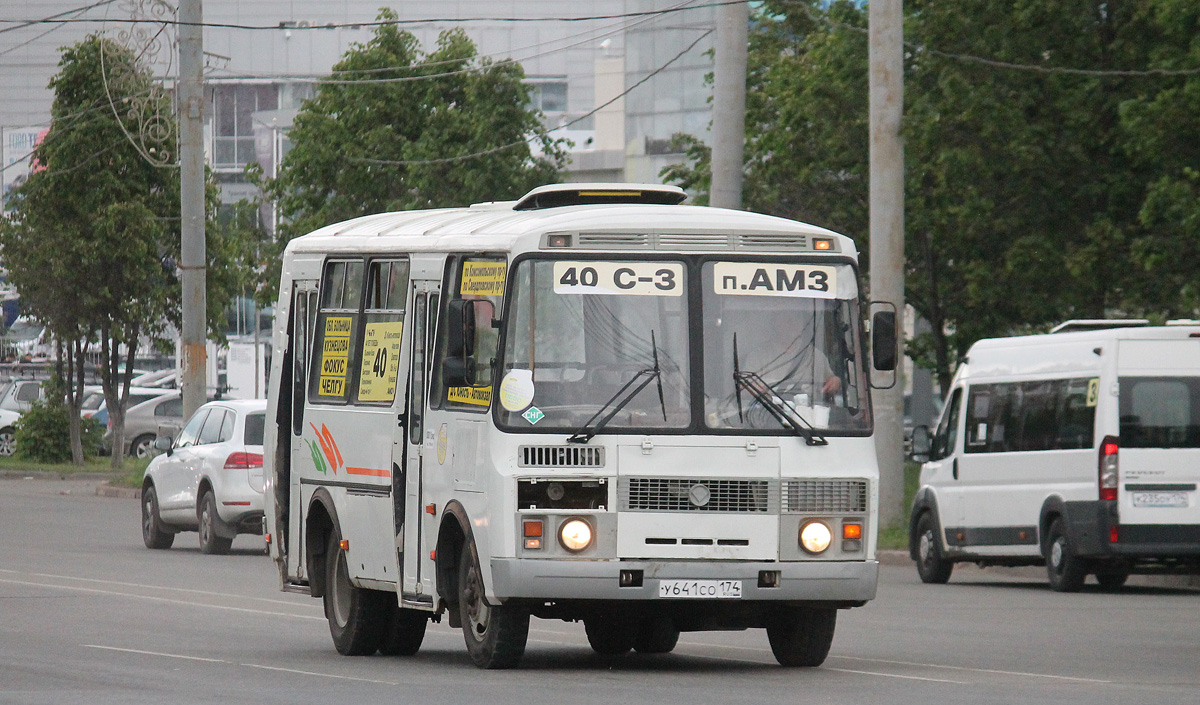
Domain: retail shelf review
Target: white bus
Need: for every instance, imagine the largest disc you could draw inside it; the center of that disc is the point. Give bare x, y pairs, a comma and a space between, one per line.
1079, 449
592, 404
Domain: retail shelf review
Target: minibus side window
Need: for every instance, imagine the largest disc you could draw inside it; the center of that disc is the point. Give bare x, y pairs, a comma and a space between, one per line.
947, 432
335, 332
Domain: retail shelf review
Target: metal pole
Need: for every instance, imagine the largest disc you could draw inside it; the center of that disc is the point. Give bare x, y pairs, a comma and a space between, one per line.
886, 77
729, 105
191, 190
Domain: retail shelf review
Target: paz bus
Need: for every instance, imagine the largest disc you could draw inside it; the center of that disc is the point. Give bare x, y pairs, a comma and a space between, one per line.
591, 404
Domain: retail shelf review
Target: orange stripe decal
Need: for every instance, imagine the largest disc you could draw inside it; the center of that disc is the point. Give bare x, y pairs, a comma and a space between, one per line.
372, 472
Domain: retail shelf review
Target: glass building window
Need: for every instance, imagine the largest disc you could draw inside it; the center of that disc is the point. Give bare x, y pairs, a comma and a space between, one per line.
233, 129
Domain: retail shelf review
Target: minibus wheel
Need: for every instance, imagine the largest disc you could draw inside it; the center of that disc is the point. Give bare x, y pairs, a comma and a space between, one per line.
801, 636
1065, 570
495, 634
931, 566
357, 617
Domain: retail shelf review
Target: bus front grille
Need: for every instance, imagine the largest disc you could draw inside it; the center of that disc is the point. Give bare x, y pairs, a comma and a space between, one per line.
560, 457
824, 496
674, 494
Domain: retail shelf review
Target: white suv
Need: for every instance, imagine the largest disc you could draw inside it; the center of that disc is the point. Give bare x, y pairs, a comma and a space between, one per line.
210, 479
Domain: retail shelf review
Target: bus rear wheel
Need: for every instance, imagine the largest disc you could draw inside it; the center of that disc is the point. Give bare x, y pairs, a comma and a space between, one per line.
1065, 570
357, 617
801, 636
495, 634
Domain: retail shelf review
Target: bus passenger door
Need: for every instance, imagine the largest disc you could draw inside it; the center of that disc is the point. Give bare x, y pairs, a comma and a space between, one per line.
408, 501
942, 471
304, 313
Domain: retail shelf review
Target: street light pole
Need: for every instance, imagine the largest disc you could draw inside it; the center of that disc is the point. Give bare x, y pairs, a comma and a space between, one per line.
191, 192
729, 105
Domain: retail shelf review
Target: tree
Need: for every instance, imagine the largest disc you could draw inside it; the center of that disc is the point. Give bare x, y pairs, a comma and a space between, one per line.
94, 236
1021, 199
399, 129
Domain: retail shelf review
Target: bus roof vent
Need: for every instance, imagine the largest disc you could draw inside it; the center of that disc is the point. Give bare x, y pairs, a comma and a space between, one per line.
1084, 324
558, 195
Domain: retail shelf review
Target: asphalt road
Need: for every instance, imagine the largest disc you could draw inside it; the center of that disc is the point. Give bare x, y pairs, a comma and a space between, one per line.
88, 615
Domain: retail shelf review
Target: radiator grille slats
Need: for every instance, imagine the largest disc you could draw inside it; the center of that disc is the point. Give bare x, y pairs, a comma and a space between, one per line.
560, 457
661, 494
824, 496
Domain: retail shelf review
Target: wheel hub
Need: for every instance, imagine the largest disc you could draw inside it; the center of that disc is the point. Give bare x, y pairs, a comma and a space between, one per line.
926, 546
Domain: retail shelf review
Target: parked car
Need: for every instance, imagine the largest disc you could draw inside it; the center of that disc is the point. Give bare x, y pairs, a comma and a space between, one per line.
94, 403
142, 423
209, 479
8, 432
19, 394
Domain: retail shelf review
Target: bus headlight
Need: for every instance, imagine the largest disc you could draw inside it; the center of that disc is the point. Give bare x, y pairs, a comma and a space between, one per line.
575, 535
815, 537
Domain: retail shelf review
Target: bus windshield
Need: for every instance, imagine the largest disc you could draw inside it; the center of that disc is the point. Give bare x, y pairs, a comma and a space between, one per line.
795, 328
601, 345
580, 331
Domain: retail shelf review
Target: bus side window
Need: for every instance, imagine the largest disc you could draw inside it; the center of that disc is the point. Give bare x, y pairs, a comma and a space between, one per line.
416, 403
303, 311
336, 331
480, 281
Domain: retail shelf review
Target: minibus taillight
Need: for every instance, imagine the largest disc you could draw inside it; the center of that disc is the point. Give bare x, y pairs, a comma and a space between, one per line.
1108, 467
243, 461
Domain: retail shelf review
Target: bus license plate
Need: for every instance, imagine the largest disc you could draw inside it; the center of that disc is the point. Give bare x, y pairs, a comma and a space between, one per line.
1160, 499
706, 589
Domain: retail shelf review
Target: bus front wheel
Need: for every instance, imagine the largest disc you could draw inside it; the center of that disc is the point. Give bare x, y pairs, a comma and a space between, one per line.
495, 634
801, 636
357, 617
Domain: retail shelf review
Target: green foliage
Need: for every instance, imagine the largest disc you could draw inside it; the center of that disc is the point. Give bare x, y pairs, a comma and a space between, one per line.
388, 136
1031, 196
43, 433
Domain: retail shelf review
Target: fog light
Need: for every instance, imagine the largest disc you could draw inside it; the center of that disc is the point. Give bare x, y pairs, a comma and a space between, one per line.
575, 535
533, 544
815, 537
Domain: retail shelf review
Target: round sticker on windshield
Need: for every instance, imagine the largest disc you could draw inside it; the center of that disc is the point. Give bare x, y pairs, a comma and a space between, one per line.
516, 390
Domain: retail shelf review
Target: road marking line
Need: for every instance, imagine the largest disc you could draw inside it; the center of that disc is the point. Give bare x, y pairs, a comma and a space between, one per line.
155, 653
316, 673
975, 670
159, 599
148, 587
891, 675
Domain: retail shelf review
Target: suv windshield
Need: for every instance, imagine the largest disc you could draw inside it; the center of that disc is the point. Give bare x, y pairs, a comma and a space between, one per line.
794, 326
580, 331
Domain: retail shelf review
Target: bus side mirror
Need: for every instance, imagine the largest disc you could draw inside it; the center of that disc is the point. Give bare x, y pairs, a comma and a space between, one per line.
459, 369
921, 444
883, 340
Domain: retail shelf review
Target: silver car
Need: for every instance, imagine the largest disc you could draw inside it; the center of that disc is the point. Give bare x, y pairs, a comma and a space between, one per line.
210, 478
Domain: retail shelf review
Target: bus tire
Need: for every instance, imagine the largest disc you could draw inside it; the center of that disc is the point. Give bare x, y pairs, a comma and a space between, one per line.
1065, 570
405, 632
931, 565
801, 636
610, 635
154, 533
495, 634
357, 616
656, 636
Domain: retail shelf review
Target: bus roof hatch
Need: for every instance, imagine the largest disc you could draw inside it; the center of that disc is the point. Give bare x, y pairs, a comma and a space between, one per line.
557, 195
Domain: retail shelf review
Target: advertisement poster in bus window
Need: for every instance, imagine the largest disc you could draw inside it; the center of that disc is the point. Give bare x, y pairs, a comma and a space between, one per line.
483, 278
380, 361
335, 356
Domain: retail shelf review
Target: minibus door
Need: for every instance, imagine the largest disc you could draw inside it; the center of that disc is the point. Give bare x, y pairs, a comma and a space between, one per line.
942, 472
406, 494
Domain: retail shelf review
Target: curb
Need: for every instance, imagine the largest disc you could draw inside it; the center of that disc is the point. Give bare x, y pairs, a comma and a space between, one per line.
107, 490
900, 558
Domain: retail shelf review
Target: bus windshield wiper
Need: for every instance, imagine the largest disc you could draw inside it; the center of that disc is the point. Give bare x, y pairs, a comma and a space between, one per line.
587, 431
771, 400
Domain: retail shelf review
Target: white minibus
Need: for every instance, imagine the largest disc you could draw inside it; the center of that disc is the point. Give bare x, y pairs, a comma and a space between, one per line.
591, 404
1079, 449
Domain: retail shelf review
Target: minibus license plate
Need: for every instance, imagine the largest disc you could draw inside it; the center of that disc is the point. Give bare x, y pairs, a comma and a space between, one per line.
1160, 499
700, 588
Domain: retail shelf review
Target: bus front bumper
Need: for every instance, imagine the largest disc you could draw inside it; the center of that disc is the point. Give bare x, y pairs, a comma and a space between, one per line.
818, 581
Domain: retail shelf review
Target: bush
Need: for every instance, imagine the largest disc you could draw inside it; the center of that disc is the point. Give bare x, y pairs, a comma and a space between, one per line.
44, 432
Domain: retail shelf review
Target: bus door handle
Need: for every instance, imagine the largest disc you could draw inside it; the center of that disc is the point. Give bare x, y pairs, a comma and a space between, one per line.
954, 468
401, 419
